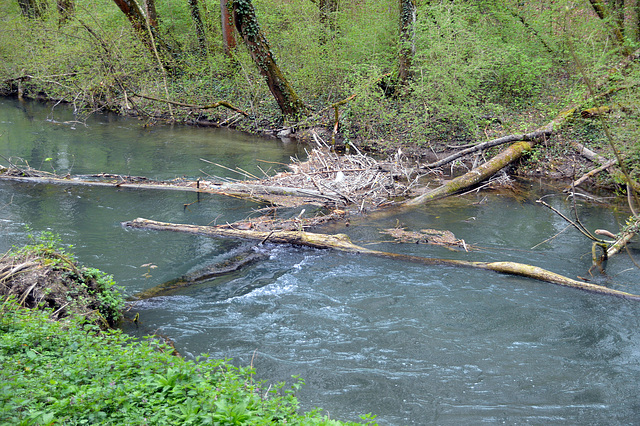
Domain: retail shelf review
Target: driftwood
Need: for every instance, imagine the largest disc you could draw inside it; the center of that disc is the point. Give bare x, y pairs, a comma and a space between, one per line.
491, 167
342, 243
592, 172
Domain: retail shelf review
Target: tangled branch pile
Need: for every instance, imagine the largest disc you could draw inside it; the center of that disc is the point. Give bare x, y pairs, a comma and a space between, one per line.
43, 276
353, 178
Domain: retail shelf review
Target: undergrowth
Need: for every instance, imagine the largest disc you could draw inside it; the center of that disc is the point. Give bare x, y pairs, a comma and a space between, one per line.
69, 372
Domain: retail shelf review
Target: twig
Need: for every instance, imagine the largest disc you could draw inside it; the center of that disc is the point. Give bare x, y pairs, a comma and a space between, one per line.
586, 234
225, 104
243, 173
550, 238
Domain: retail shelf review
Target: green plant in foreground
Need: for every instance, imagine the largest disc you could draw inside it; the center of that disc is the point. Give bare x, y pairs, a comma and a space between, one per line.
69, 372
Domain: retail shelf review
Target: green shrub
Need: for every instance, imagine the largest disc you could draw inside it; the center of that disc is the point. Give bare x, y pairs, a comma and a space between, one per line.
68, 372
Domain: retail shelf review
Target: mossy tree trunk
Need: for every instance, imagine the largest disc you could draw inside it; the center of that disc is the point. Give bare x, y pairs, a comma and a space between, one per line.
495, 164
408, 17
194, 9
244, 16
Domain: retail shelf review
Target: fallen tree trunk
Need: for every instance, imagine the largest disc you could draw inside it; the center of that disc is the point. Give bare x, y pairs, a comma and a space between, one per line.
593, 172
491, 167
235, 189
342, 243
484, 145
475, 176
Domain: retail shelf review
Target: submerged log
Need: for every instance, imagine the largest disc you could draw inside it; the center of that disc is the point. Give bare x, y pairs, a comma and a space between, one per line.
342, 243
233, 264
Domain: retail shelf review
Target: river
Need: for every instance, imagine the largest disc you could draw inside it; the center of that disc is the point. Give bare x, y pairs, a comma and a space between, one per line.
412, 344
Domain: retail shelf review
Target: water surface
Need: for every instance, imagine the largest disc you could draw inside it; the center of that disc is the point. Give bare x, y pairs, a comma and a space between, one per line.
413, 344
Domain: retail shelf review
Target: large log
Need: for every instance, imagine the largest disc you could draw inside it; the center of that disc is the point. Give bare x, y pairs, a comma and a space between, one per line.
342, 242
491, 167
475, 176
242, 190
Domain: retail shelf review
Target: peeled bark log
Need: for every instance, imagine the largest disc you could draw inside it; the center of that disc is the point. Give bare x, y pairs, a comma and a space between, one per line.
342, 242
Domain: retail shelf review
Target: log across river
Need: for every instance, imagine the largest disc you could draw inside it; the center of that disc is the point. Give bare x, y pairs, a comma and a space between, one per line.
341, 242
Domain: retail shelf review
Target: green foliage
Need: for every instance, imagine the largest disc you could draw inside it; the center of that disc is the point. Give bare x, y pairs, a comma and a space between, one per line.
70, 373
475, 63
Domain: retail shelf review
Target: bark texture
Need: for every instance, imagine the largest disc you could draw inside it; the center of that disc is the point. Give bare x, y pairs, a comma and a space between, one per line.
244, 16
228, 37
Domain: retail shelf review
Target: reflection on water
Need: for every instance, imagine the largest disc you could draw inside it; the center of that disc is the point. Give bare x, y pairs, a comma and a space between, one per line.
414, 344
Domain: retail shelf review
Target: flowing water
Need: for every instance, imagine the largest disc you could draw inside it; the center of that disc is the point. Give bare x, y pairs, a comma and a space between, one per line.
413, 344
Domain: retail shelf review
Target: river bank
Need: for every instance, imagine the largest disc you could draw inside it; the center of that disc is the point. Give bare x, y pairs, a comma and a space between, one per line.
62, 362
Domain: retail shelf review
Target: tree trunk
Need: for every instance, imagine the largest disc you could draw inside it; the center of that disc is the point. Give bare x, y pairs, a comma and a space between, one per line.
342, 242
491, 167
65, 10
244, 16
152, 14
408, 10
197, 22
138, 21
228, 37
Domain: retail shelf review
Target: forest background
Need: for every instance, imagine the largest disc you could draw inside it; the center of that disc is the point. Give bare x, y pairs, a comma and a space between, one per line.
423, 76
